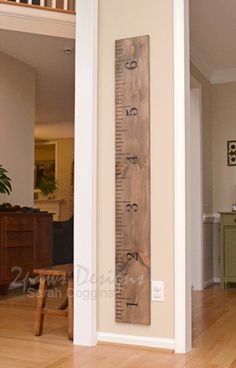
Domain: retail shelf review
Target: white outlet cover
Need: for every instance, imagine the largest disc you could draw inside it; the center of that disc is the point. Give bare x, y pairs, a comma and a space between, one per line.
158, 291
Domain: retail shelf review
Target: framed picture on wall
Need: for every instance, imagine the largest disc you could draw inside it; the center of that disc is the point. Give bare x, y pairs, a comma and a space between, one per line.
231, 153
45, 168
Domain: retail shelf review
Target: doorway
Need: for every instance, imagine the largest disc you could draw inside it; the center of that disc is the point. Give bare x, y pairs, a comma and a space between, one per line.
213, 56
37, 222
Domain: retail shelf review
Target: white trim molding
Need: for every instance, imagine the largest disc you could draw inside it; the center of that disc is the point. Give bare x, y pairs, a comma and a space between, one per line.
181, 118
214, 76
212, 218
223, 76
214, 280
85, 203
208, 283
197, 59
151, 342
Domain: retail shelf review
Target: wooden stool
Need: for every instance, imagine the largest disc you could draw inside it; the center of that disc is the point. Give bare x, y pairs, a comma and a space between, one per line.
66, 308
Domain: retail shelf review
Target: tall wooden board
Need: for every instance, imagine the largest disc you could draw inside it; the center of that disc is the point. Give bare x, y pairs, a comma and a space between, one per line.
132, 92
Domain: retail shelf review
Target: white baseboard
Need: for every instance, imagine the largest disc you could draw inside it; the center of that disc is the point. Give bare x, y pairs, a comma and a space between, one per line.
151, 342
211, 218
214, 280
208, 283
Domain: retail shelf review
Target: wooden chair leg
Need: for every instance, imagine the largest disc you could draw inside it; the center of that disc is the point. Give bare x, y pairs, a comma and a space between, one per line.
64, 304
40, 303
70, 308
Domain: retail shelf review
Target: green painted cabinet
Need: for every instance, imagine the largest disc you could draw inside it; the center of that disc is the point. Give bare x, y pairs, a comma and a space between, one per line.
227, 248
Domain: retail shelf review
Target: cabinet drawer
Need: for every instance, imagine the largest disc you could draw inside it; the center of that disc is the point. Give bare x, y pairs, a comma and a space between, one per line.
22, 258
19, 239
20, 223
2, 262
18, 273
2, 238
2, 223
228, 220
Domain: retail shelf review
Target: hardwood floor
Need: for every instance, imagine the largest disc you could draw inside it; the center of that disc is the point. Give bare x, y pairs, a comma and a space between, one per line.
214, 339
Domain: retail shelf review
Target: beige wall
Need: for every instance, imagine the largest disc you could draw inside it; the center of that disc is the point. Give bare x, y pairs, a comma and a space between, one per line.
224, 129
17, 110
122, 19
45, 152
206, 138
65, 157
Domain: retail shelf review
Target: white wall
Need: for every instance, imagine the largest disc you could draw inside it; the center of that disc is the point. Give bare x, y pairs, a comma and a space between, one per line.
17, 113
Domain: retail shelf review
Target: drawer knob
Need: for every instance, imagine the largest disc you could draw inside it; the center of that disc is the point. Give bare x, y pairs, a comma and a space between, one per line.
235, 220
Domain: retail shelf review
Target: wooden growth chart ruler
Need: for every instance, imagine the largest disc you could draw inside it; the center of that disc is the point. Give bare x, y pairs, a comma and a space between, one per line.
132, 92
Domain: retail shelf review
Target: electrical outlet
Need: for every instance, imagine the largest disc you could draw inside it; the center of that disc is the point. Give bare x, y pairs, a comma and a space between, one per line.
158, 291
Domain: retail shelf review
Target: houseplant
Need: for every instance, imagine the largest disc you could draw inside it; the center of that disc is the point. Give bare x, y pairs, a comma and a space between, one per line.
47, 185
5, 182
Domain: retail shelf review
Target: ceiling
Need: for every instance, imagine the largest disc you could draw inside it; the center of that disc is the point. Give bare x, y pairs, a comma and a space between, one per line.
213, 35
54, 73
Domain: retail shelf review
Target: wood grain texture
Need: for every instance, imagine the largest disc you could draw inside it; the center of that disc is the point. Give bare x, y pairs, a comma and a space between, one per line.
46, 279
70, 298
214, 339
39, 316
25, 243
132, 180
43, 241
59, 270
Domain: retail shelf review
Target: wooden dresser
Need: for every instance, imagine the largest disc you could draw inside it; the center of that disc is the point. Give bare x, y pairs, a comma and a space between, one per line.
227, 248
25, 243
